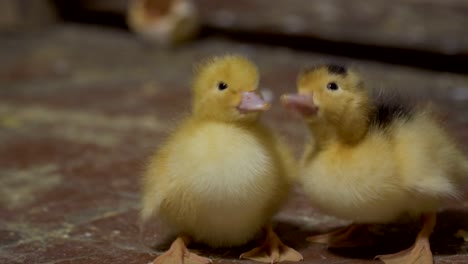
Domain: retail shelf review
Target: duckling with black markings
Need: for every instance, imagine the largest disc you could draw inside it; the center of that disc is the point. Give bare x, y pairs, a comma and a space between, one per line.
371, 162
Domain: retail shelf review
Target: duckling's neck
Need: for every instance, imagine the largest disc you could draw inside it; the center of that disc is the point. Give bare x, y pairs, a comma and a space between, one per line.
349, 133
247, 123
322, 136
352, 131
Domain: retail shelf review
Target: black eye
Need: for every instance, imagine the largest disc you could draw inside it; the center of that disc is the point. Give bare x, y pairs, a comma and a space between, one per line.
332, 86
222, 86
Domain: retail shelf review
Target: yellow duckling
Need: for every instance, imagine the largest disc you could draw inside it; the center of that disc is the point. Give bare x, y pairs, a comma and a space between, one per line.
370, 161
221, 175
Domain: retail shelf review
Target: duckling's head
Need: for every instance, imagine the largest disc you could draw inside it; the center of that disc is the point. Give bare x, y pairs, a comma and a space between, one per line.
333, 96
226, 89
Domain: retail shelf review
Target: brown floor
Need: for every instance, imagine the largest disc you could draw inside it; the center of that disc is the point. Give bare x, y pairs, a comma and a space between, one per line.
82, 108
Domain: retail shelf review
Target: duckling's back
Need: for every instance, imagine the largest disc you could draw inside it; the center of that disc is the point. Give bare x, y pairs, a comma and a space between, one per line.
407, 163
428, 160
431, 163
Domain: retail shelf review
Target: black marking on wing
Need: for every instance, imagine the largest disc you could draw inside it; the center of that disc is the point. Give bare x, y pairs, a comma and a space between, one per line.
389, 108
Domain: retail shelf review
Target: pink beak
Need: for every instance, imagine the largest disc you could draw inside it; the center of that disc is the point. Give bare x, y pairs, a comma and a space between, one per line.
300, 103
252, 102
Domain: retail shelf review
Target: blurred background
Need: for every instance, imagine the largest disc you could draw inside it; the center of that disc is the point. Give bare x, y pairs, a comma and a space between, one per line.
89, 89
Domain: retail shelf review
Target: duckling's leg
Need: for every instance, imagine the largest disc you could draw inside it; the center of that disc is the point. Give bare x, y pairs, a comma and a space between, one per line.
343, 237
179, 254
272, 250
420, 252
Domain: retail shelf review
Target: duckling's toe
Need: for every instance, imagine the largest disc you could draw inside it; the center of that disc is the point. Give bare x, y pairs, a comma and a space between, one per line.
179, 254
419, 253
354, 235
272, 250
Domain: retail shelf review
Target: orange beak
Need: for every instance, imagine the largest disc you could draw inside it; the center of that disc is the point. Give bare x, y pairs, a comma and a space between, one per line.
300, 103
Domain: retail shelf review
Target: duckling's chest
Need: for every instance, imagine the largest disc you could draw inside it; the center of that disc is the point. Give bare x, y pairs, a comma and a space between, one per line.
219, 157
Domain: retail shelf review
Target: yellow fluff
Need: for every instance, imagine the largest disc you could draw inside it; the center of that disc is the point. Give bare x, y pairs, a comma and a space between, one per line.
221, 175
371, 162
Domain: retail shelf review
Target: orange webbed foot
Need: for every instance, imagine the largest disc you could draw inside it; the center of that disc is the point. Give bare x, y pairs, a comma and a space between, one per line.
343, 237
420, 252
272, 250
179, 254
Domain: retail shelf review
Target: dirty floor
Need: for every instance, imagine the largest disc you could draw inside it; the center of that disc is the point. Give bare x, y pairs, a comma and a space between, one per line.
82, 108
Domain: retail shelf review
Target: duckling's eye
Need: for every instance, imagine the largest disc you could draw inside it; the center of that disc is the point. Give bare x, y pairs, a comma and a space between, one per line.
222, 86
332, 86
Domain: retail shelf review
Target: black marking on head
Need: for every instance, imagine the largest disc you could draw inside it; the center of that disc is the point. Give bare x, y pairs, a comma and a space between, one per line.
389, 108
331, 68
337, 69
